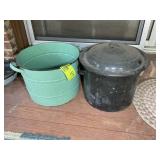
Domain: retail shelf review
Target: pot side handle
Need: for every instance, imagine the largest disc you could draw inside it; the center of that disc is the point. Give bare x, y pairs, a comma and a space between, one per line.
13, 66
81, 72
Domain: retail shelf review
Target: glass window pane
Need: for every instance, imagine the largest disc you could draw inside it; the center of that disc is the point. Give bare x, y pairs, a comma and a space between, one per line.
87, 29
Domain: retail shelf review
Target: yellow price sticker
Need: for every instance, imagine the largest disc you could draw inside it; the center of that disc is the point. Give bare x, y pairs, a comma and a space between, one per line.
69, 71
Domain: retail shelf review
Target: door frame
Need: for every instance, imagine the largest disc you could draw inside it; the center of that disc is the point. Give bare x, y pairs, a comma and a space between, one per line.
142, 44
20, 34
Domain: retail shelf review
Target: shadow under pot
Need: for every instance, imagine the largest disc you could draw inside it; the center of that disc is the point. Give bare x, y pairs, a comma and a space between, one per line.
110, 72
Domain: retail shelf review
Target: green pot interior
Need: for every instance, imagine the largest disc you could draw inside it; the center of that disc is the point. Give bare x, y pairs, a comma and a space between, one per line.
47, 56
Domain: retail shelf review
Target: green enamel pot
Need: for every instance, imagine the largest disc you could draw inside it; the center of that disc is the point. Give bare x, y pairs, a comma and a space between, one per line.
45, 81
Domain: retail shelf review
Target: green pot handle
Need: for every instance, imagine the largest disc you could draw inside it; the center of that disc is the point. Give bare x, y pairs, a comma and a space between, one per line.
13, 66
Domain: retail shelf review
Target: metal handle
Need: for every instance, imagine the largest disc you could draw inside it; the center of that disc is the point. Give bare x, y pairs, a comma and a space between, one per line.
145, 62
81, 72
13, 66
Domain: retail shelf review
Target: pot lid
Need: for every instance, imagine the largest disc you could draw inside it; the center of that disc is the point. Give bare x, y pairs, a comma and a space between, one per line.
113, 59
